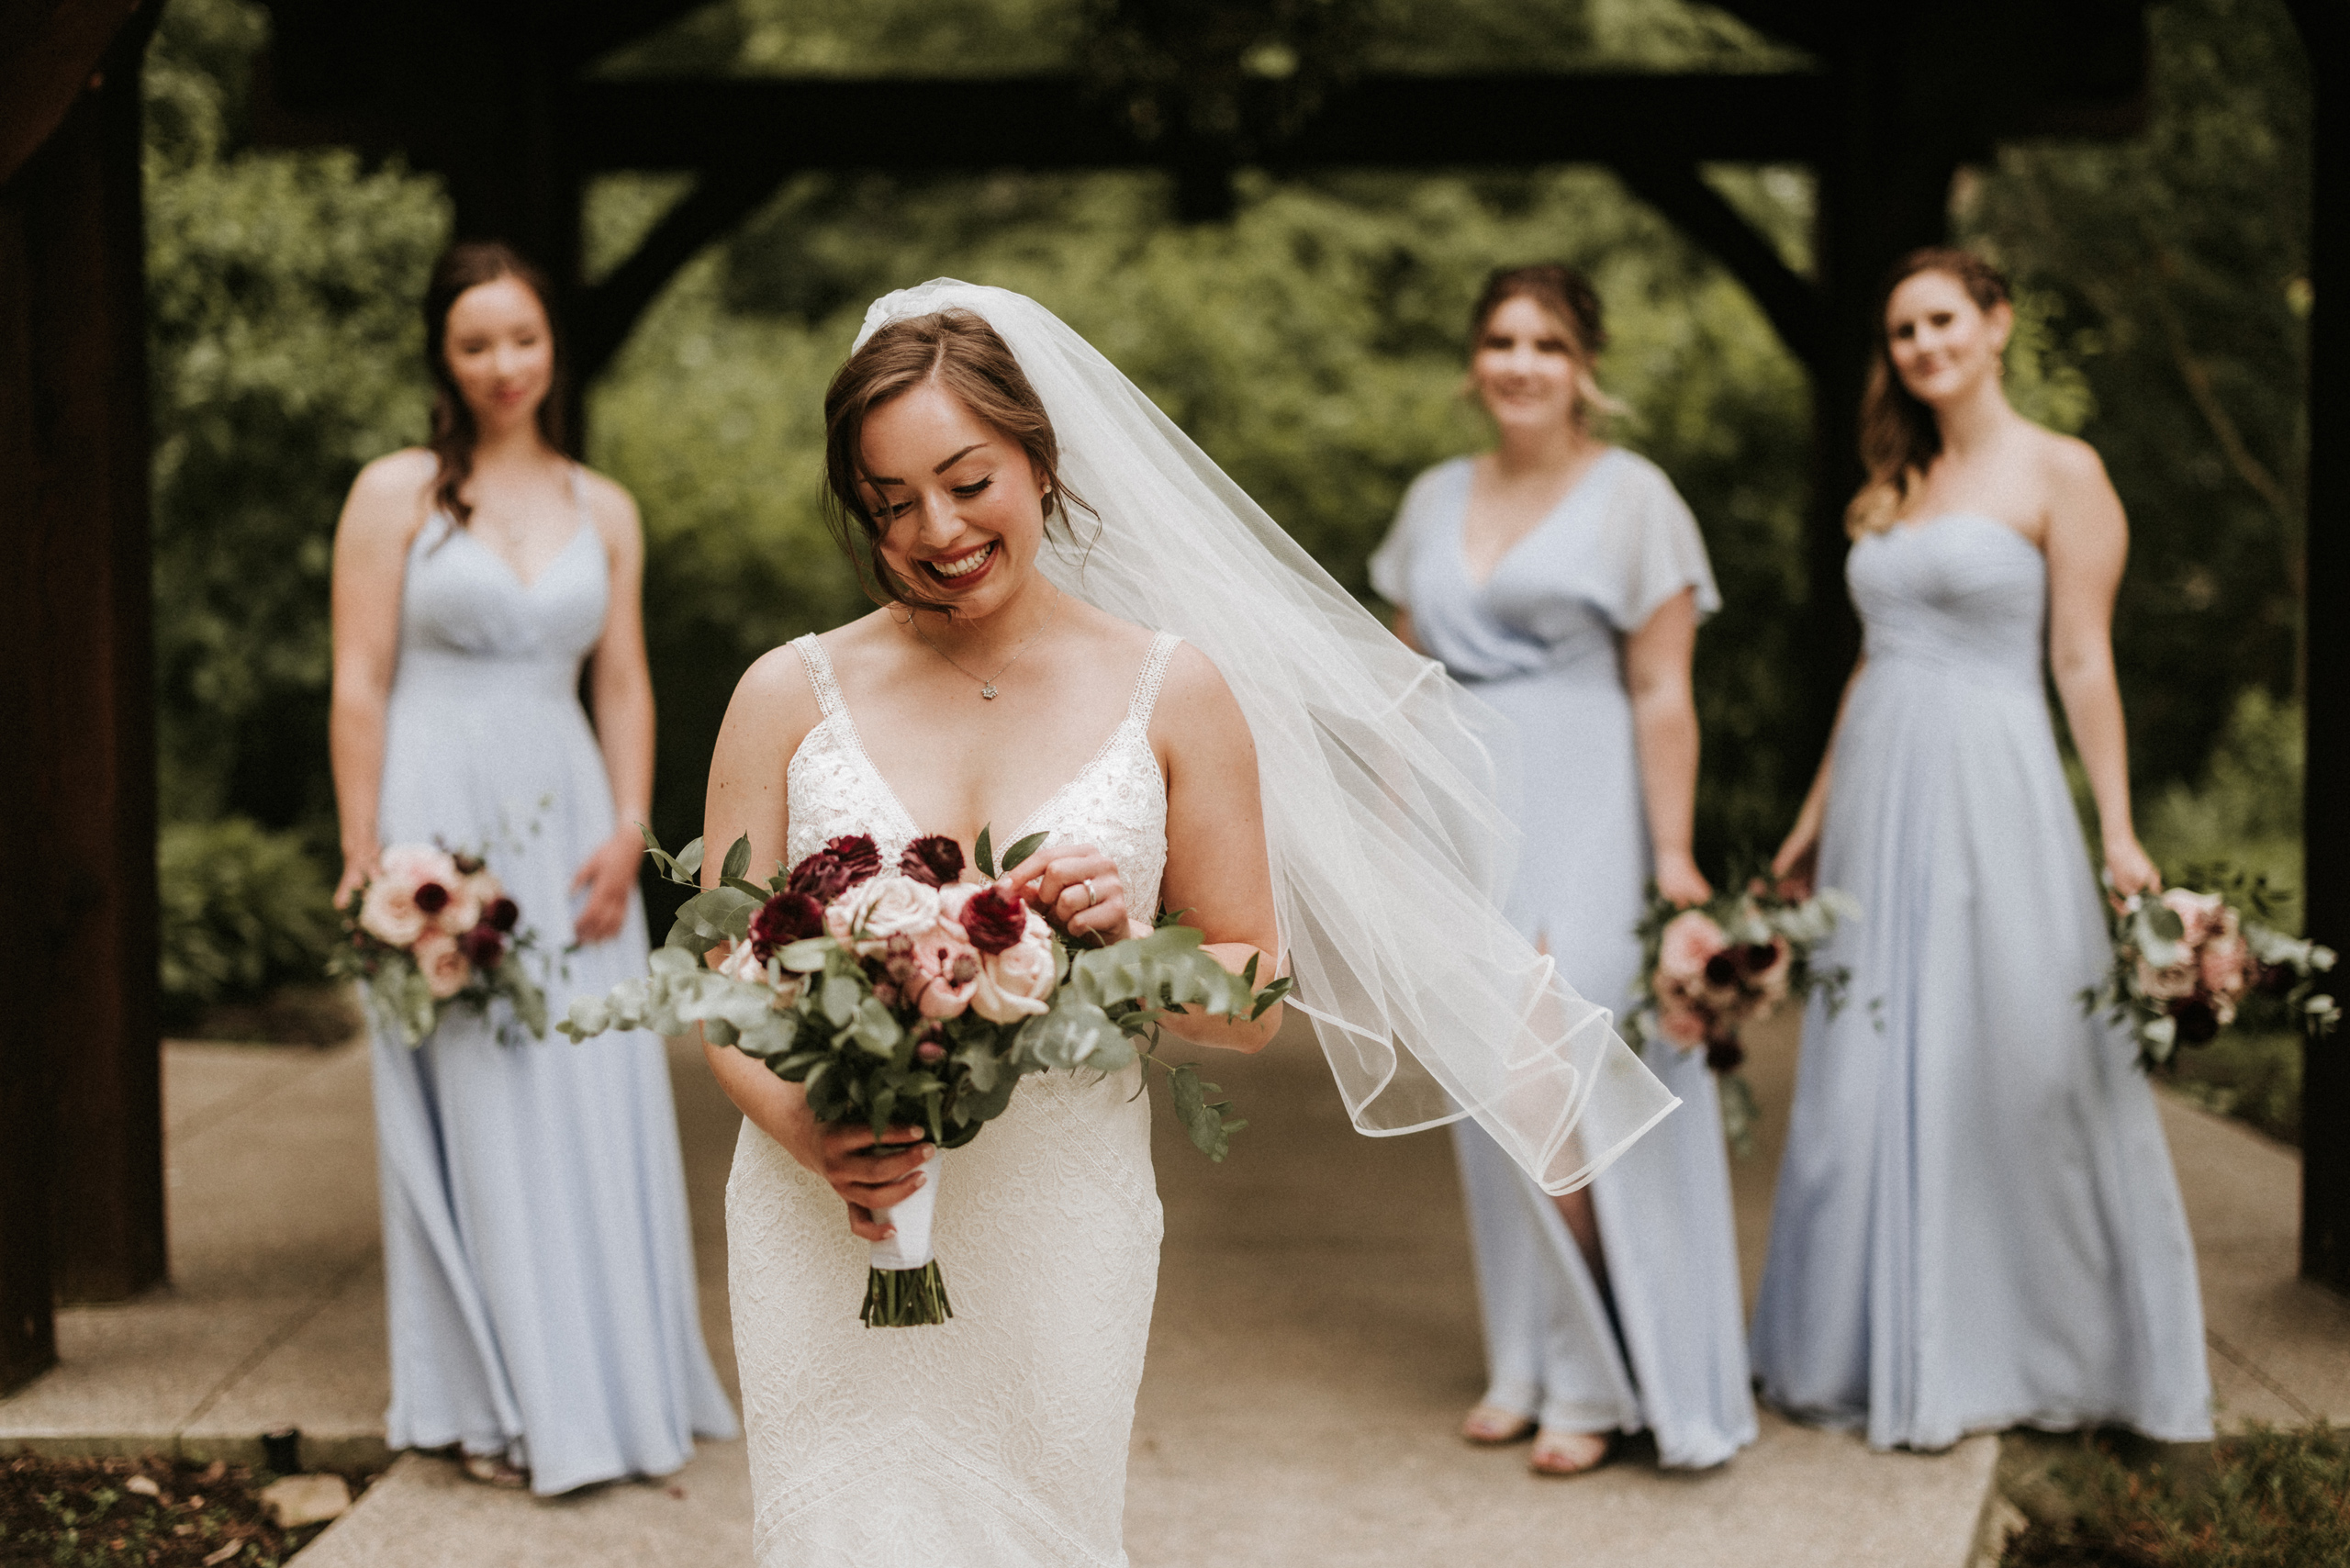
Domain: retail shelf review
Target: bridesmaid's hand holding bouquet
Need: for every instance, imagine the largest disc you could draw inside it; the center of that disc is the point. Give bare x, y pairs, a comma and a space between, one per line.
429, 929
1708, 970
2189, 962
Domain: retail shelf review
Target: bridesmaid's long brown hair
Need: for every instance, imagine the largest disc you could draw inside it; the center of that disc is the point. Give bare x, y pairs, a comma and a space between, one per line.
1900, 438
466, 265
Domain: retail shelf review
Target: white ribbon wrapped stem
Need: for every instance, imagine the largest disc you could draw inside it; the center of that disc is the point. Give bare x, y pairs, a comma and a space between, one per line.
911, 1247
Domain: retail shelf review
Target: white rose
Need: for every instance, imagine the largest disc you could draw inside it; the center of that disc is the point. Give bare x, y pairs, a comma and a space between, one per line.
893, 906
1013, 984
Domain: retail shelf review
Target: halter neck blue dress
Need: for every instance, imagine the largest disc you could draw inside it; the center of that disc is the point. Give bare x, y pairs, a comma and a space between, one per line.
1977, 1224
1541, 641
537, 1256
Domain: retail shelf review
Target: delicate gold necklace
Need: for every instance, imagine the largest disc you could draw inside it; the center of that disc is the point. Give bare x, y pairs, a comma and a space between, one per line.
986, 682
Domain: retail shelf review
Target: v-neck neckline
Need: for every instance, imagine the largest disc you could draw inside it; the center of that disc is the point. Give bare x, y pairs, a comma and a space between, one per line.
1542, 526
907, 820
531, 585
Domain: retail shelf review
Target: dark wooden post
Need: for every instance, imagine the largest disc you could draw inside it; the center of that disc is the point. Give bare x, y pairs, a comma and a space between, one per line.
81, 1121
2326, 1083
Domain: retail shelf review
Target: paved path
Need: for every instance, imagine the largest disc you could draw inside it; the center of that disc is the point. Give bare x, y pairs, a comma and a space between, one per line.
1314, 1340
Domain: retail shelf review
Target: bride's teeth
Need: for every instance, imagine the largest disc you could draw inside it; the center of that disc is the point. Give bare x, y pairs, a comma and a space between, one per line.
967, 566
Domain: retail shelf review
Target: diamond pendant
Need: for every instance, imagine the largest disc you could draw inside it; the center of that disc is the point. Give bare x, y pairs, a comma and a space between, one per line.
988, 692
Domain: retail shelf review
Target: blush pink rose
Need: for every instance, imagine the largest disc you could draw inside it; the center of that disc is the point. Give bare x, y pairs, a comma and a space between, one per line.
2225, 968
392, 912
883, 907
1017, 982
1682, 1025
444, 964
1691, 941
944, 974
2203, 915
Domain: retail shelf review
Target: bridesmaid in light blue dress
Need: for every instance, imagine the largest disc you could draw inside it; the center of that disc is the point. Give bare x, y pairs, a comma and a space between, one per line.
1977, 1224
1562, 580
537, 1254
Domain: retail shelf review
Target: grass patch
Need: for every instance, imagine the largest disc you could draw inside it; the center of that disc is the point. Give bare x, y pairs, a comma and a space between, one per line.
81, 1513
2261, 1498
2254, 1078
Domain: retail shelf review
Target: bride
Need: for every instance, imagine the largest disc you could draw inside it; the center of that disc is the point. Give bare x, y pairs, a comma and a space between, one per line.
1087, 631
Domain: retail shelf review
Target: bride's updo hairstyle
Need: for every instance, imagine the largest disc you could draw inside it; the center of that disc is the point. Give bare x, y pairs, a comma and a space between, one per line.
963, 355
1569, 299
1900, 438
466, 265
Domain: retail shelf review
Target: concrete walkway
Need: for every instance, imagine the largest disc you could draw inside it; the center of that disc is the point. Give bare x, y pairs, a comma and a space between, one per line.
1314, 1342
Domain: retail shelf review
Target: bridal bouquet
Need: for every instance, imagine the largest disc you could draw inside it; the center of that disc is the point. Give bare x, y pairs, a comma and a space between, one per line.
433, 930
2187, 963
1708, 970
906, 995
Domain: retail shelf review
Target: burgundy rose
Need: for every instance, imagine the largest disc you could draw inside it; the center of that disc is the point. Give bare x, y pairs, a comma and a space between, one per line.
484, 946
1757, 956
432, 897
783, 920
859, 856
501, 914
821, 876
1724, 1055
1722, 968
994, 920
2278, 979
936, 860
2196, 1022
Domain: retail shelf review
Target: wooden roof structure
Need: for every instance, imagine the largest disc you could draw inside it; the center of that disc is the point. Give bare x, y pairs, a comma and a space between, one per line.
499, 96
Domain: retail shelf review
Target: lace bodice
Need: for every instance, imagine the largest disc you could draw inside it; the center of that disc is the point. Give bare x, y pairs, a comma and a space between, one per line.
1117, 802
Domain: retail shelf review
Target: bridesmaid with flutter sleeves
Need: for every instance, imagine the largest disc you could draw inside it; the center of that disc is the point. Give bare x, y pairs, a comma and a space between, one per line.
537, 1256
1977, 1224
1562, 580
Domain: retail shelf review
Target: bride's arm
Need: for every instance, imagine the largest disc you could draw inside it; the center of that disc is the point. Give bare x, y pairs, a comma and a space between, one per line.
1217, 866
772, 710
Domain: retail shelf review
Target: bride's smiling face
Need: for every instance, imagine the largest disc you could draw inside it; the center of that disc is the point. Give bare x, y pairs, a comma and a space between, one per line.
958, 509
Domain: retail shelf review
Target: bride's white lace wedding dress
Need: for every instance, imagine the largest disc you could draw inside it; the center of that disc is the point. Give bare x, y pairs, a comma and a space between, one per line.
999, 1438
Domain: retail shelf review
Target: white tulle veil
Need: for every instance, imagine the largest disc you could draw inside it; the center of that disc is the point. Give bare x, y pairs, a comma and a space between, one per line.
1385, 785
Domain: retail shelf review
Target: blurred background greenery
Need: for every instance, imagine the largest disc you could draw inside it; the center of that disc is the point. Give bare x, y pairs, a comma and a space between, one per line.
1313, 344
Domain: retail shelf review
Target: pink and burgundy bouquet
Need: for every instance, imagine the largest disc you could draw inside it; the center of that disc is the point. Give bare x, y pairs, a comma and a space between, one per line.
910, 994
1709, 969
2189, 962
433, 930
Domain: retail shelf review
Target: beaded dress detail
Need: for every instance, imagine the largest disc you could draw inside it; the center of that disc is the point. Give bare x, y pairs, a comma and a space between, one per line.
999, 1437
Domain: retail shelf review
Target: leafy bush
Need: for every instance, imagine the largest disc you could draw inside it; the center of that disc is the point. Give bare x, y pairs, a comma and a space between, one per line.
2246, 810
2269, 1499
243, 909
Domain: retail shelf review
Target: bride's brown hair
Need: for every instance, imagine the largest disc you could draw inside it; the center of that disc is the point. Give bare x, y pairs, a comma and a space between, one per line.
961, 352
1900, 438
466, 265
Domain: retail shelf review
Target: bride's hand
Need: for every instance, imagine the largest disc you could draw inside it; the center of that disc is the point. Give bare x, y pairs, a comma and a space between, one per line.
1797, 865
2129, 869
357, 870
871, 1174
1075, 887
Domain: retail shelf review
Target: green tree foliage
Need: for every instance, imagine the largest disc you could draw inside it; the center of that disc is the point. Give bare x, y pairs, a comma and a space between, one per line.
2171, 274
283, 353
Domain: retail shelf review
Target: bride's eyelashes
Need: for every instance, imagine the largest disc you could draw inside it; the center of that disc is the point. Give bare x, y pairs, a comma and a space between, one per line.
968, 491
890, 511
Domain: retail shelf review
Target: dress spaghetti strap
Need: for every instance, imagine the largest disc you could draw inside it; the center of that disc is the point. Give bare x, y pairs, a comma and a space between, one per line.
819, 666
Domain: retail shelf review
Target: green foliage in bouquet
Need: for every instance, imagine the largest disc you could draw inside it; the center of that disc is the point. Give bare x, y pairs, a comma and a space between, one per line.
2207, 954
818, 1022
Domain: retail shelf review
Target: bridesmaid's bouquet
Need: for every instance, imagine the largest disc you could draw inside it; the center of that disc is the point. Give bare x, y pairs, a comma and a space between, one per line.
433, 930
2189, 962
908, 995
1708, 970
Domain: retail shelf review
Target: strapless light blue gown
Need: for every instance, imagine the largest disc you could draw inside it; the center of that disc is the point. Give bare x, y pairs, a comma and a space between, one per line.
1541, 642
537, 1255
1977, 1224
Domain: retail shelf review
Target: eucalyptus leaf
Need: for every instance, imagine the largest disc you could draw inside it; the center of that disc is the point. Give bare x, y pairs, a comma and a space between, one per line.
808, 954
983, 854
1069, 1036
738, 859
1020, 850
838, 996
